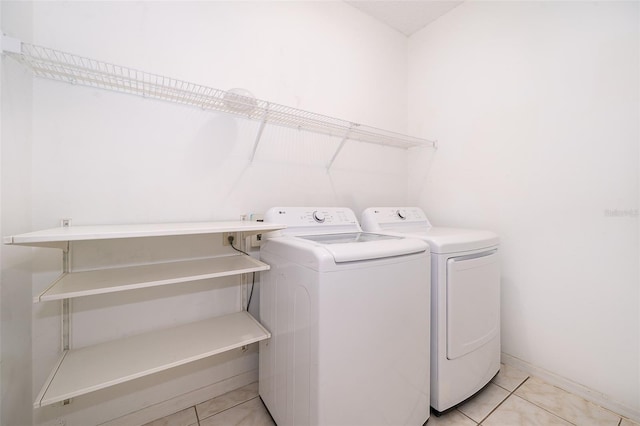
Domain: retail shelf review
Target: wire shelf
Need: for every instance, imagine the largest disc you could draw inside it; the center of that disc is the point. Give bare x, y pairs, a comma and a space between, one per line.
62, 66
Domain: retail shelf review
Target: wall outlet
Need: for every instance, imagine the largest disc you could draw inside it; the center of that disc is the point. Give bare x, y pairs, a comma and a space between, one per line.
225, 238
256, 239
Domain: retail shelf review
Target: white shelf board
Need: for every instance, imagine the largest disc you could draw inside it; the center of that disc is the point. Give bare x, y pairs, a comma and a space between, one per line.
91, 368
101, 281
103, 232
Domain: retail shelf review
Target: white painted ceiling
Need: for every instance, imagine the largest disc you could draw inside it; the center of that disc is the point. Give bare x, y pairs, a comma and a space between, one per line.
406, 16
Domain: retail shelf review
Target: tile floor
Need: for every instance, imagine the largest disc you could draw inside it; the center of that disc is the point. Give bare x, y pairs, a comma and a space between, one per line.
513, 398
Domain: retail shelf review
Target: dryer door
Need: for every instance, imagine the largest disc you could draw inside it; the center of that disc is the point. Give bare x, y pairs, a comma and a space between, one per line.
473, 302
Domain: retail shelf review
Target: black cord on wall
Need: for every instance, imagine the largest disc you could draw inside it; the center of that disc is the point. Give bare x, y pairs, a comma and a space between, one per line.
231, 238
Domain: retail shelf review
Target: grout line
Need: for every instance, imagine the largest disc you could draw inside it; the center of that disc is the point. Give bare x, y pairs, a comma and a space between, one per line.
548, 411
197, 417
502, 402
465, 416
539, 406
233, 406
520, 385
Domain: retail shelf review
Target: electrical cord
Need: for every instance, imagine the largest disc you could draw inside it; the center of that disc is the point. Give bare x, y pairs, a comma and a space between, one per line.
231, 238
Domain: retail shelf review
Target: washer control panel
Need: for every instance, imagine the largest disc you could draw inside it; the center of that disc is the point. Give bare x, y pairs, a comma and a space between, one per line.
320, 218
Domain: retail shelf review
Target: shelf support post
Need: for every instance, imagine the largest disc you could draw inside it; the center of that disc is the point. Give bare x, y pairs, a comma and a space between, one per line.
259, 135
66, 303
342, 142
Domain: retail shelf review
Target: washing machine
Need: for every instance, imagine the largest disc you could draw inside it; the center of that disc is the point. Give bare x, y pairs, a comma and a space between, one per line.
349, 319
465, 301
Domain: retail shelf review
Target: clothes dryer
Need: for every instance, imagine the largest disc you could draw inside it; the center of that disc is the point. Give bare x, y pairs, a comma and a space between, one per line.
465, 301
348, 313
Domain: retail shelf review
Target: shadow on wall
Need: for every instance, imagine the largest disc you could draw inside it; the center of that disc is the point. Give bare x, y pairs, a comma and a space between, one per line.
420, 161
290, 167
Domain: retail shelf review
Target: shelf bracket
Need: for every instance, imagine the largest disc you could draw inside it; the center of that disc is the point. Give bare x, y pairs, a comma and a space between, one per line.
340, 146
11, 45
260, 130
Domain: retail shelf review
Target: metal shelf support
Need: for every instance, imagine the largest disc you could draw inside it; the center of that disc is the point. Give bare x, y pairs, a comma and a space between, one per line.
259, 134
340, 146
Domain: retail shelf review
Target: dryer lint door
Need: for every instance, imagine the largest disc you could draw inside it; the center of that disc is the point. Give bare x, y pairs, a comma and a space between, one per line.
473, 302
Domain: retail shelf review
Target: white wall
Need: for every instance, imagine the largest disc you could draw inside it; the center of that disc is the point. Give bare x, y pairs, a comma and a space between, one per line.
15, 217
324, 57
102, 157
536, 108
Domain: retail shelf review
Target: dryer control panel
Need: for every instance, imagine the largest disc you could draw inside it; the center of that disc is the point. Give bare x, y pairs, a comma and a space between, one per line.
387, 218
320, 219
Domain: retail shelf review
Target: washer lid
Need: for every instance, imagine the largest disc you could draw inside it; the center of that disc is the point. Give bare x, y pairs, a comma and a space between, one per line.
354, 246
348, 237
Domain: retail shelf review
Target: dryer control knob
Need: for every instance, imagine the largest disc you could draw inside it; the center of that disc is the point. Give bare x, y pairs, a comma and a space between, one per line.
402, 214
318, 216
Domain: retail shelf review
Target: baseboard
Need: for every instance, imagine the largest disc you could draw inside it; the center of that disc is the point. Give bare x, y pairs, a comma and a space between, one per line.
573, 387
183, 401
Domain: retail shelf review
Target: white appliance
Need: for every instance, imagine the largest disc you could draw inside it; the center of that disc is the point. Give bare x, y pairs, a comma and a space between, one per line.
465, 301
348, 314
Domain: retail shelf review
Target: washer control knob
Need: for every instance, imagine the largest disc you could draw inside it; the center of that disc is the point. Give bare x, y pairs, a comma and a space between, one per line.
402, 214
318, 216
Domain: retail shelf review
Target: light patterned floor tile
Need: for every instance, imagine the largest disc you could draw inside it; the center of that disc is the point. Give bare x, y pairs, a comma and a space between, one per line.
452, 418
181, 418
535, 403
515, 411
479, 407
509, 378
226, 401
250, 413
566, 405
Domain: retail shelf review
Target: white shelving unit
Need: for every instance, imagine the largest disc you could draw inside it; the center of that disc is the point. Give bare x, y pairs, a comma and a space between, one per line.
57, 65
88, 283
83, 370
65, 234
